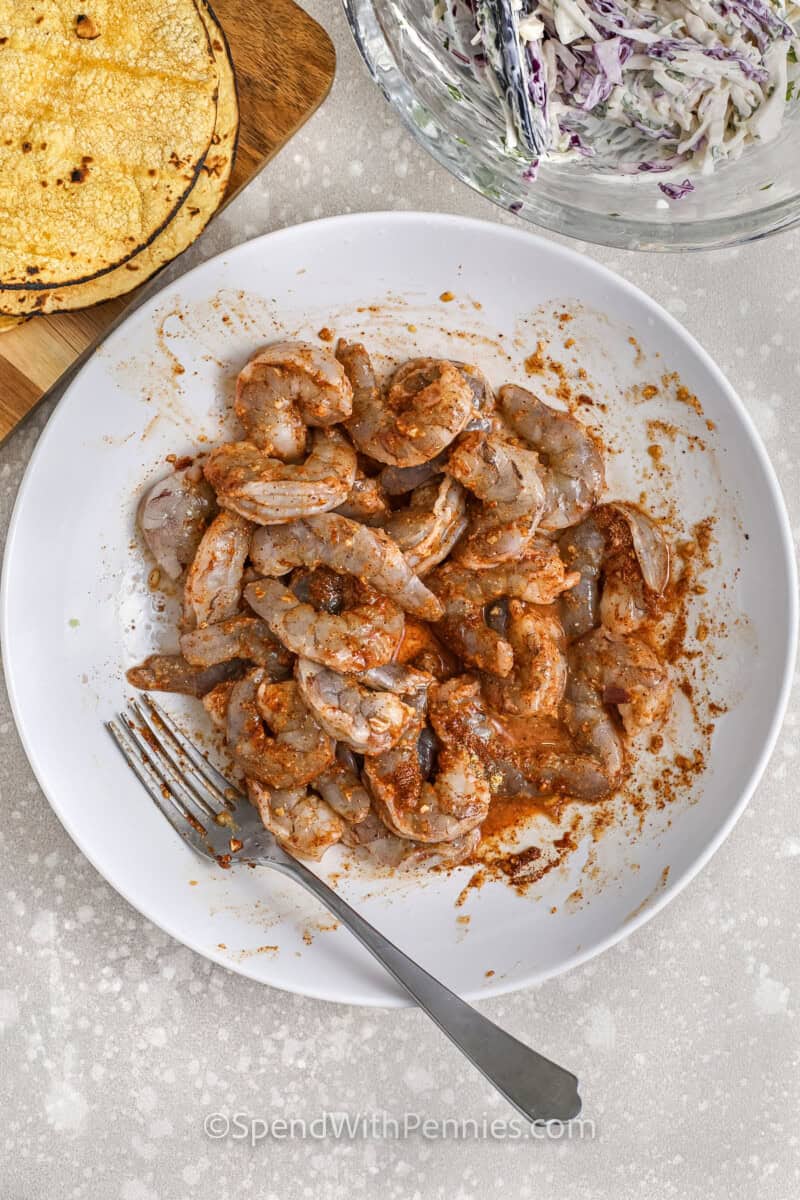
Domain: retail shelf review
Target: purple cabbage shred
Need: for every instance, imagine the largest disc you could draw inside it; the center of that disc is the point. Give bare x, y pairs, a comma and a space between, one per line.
676, 191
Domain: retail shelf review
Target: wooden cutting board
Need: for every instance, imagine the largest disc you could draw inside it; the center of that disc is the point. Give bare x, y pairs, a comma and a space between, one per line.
284, 69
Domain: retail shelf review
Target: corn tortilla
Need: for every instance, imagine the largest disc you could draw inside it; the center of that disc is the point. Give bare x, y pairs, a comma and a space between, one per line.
193, 215
104, 134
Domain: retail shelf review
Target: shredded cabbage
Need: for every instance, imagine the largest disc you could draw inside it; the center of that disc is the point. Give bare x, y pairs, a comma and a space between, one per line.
648, 86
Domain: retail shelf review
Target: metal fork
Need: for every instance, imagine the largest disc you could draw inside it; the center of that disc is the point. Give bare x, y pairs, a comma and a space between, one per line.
217, 820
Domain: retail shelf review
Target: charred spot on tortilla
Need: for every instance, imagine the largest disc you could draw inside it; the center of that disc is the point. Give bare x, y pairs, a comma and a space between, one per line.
86, 28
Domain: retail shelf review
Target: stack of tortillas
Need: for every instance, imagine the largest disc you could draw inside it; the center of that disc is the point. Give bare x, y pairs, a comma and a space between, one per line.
117, 140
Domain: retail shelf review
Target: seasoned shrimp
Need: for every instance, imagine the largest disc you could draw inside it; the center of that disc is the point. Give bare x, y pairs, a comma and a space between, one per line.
340, 786
482, 393
299, 819
366, 721
426, 404
532, 755
538, 677
241, 637
506, 478
538, 578
621, 546
636, 569
422, 651
403, 599
604, 669
333, 541
397, 678
269, 491
366, 634
324, 589
573, 473
386, 849
459, 714
398, 481
172, 673
297, 749
173, 515
216, 703
286, 387
366, 502
625, 672
412, 806
213, 588
583, 549
428, 529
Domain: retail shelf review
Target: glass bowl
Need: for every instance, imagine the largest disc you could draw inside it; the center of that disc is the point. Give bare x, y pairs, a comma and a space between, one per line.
458, 121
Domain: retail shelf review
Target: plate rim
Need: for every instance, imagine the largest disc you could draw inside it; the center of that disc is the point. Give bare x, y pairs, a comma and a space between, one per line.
462, 225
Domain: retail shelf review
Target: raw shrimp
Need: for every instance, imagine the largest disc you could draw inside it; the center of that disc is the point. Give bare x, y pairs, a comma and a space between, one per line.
538, 677
532, 755
286, 387
333, 541
428, 529
216, 703
299, 819
596, 765
297, 750
394, 677
238, 637
366, 502
506, 478
538, 578
386, 849
636, 570
482, 394
459, 714
621, 546
324, 589
426, 404
366, 721
172, 673
213, 588
269, 491
583, 550
398, 481
623, 671
605, 669
422, 651
340, 786
411, 806
173, 515
365, 635
573, 473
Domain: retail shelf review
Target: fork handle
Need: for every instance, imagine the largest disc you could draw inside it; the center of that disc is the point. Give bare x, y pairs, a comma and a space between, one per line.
538, 1088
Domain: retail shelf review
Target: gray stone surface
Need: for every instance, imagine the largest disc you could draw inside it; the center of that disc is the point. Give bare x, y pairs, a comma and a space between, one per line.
115, 1042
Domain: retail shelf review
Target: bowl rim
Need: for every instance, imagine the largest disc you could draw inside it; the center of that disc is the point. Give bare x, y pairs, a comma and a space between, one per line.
463, 225
617, 232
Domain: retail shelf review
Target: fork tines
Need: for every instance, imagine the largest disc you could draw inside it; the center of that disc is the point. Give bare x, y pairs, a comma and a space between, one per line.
196, 798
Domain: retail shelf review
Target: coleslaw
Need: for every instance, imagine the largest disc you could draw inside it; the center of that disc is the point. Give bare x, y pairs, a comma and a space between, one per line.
648, 86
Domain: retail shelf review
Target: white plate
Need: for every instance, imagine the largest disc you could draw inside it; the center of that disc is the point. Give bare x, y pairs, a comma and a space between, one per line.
75, 608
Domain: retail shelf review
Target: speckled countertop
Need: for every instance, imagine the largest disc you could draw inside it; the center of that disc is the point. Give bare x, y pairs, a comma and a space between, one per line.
116, 1043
